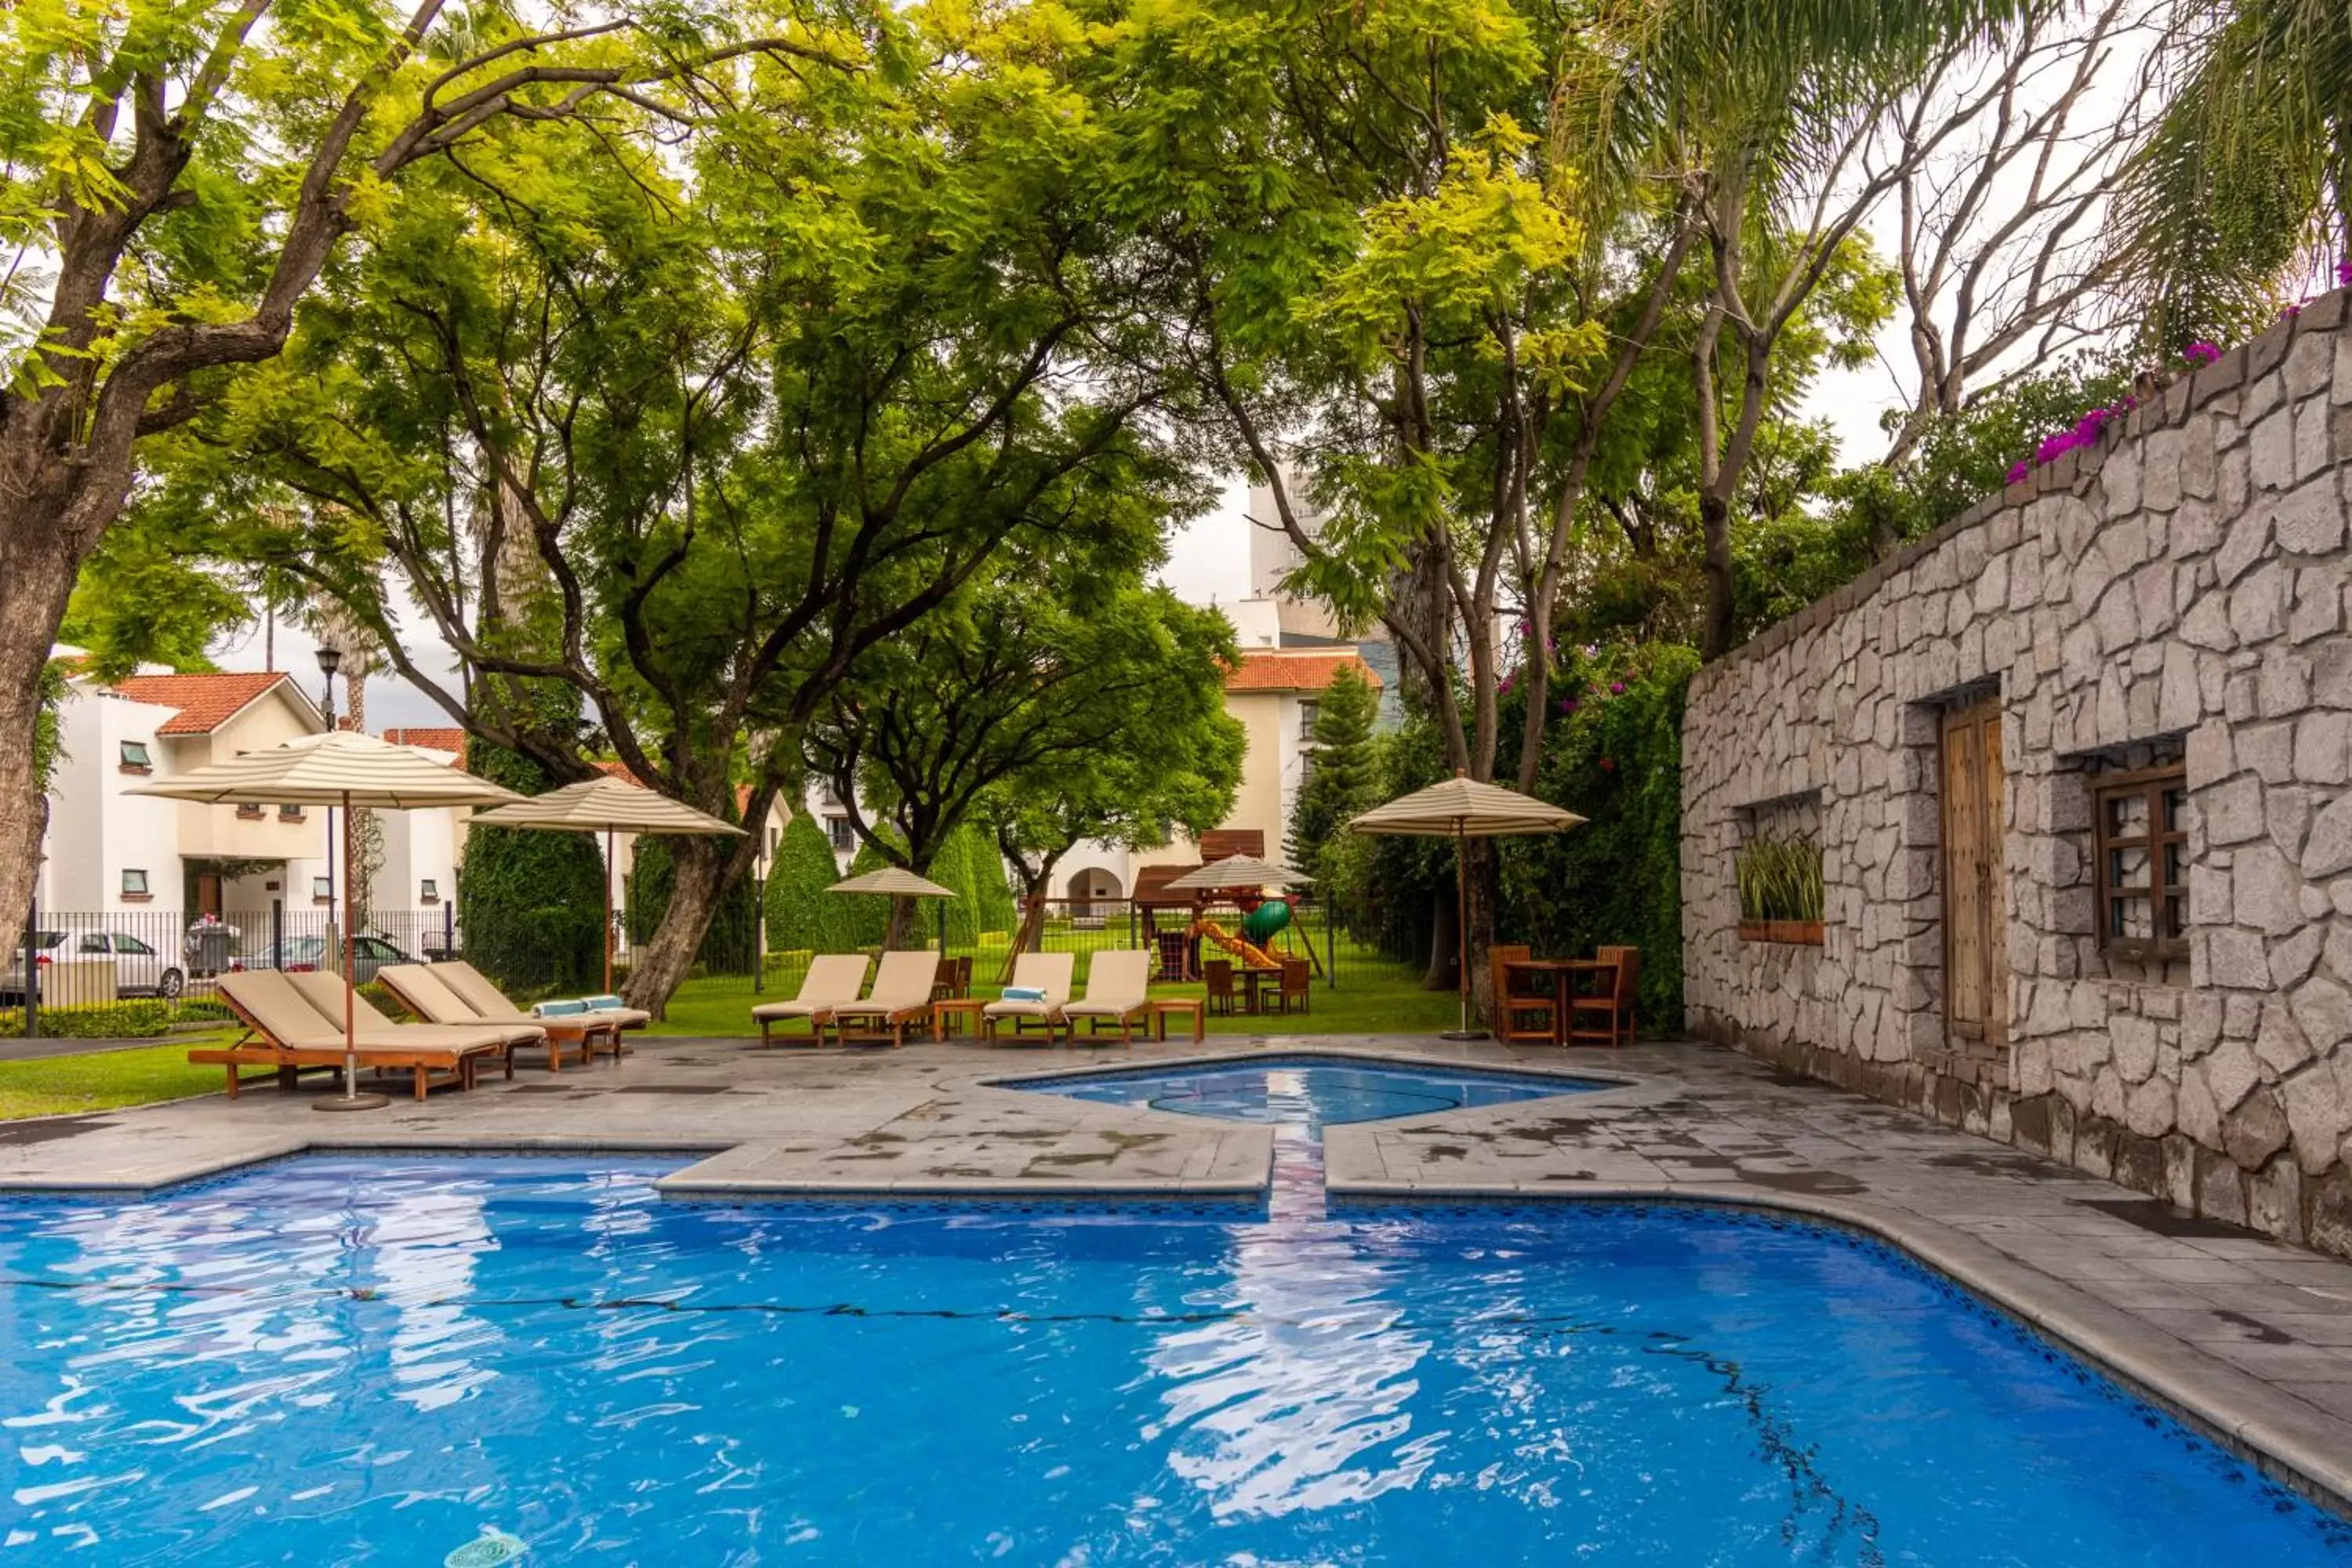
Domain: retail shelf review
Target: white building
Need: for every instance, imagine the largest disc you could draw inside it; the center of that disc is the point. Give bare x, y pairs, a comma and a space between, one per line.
108, 851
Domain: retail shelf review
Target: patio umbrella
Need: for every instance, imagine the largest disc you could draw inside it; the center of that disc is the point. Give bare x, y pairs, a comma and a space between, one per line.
1239, 872
1461, 808
344, 769
607, 804
899, 883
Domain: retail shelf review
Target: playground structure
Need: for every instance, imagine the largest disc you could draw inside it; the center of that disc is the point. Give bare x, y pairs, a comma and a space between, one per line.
1255, 943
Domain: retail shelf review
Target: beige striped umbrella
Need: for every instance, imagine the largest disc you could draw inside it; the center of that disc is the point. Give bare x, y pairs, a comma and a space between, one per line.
1459, 808
1239, 872
896, 880
344, 769
607, 804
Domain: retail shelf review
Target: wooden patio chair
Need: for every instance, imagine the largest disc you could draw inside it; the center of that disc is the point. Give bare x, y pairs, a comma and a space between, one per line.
1513, 1004
1217, 975
1604, 1014
1297, 976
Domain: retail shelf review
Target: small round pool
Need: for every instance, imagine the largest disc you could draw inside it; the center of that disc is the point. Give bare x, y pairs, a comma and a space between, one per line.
1313, 1091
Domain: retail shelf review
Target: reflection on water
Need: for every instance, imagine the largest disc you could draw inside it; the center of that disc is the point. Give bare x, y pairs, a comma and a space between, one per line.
1299, 1400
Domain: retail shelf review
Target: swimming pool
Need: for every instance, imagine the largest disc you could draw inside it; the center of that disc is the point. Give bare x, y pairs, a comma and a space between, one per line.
384, 1361
1311, 1092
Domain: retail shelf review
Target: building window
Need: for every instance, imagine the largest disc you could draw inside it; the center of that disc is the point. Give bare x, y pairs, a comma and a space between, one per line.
134, 758
429, 891
134, 886
2139, 821
248, 812
1309, 710
323, 890
837, 829
289, 813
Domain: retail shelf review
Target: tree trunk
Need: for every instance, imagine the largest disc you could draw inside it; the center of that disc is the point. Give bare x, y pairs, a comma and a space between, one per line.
1442, 926
1715, 632
699, 875
902, 911
36, 576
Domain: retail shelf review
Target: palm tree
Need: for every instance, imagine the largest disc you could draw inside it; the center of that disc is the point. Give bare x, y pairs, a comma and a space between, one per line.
2245, 181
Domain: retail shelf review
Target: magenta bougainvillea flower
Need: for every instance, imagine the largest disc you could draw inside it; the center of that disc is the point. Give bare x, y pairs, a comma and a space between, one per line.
2018, 470
1617, 688
2203, 353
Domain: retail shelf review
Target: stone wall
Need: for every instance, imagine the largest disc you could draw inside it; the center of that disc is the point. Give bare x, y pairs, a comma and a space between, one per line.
2180, 591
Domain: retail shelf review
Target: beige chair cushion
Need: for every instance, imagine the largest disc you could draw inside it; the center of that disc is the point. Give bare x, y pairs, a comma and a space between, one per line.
1118, 983
833, 980
325, 993
903, 982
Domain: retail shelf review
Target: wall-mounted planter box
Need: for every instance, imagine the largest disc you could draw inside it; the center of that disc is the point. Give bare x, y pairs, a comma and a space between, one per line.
1804, 934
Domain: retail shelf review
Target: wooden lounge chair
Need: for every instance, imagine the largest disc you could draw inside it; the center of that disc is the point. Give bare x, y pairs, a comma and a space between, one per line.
423, 993
324, 992
1118, 991
1050, 973
833, 979
901, 996
490, 1003
286, 1034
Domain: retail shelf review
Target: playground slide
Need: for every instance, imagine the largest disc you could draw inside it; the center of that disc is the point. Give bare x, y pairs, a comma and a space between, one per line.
1248, 953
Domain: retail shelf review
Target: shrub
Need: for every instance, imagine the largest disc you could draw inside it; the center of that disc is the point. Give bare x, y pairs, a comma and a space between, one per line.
1613, 757
533, 901
131, 1020
801, 913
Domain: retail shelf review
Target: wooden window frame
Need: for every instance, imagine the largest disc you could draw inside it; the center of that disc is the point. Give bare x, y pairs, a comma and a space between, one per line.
2151, 785
143, 893
249, 812
289, 811
123, 764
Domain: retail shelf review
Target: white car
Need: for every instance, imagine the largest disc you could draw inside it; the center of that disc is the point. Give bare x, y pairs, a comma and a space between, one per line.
139, 969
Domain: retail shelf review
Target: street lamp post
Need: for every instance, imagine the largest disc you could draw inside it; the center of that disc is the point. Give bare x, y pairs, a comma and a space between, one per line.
330, 658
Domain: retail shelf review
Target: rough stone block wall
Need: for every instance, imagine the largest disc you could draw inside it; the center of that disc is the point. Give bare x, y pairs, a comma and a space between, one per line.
2181, 591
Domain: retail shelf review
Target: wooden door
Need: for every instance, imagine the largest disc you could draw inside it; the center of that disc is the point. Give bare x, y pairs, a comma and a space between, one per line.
1976, 939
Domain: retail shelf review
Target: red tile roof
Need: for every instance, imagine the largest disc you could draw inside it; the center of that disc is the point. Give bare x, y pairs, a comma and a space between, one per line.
206, 703
447, 738
1301, 669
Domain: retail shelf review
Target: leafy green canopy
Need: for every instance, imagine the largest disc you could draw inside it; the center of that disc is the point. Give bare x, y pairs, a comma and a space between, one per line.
1029, 690
697, 420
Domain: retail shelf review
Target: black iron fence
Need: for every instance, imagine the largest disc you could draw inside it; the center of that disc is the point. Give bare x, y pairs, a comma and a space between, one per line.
87, 961
79, 961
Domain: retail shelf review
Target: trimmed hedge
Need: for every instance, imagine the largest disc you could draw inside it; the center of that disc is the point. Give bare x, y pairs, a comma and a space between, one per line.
133, 1020
533, 900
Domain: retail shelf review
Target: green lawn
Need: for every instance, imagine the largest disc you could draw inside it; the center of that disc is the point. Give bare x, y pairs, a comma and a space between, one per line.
105, 1080
1368, 1000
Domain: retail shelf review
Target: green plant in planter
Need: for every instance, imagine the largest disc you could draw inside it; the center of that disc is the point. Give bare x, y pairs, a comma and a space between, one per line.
1779, 879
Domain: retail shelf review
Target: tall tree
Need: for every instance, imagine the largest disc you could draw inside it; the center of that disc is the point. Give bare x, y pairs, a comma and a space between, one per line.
1342, 778
177, 176
694, 429
1027, 685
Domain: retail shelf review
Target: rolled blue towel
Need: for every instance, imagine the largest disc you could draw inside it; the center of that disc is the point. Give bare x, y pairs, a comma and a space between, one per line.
1024, 994
601, 1004
558, 1009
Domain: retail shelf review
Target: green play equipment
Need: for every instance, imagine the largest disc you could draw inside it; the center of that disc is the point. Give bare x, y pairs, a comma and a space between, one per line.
1259, 926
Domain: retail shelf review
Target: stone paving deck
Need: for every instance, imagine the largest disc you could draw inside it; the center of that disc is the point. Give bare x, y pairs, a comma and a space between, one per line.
2248, 1338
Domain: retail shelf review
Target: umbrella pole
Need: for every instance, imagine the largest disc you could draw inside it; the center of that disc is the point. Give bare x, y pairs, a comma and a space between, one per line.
350, 1099
1461, 938
608, 912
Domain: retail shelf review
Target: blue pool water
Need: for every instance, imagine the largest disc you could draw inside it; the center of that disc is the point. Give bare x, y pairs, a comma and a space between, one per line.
383, 1362
1309, 1092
